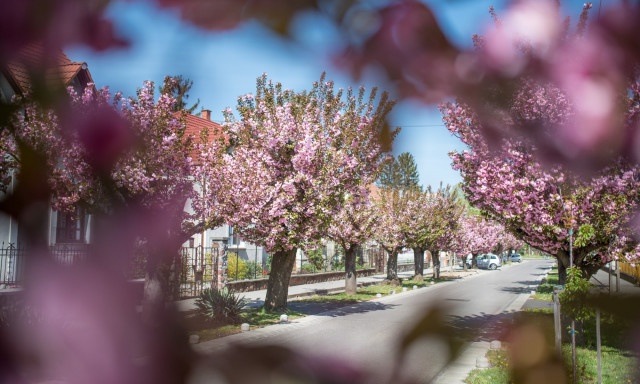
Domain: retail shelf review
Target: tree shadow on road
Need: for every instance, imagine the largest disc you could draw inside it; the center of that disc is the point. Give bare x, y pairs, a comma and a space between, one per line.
522, 287
337, 309
483, 327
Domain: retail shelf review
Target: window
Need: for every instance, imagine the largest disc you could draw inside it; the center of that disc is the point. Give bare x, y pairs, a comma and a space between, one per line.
71, 227
233, 238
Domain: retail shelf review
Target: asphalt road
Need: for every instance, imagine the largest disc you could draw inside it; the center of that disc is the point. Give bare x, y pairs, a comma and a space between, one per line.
367, 334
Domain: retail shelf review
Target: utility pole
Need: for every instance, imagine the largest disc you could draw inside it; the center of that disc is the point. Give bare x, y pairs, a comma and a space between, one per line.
573, 322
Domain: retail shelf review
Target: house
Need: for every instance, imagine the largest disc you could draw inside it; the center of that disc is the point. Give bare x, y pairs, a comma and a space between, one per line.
68, 233
196, 249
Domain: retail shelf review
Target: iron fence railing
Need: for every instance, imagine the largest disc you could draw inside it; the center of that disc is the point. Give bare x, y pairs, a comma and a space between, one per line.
198, 265
199, 269
250, 267
13, 259
11, 264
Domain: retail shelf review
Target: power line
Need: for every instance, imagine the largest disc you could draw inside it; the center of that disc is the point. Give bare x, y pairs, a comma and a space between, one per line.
420, 126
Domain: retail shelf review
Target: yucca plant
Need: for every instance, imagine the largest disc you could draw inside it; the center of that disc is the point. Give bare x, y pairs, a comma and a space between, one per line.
221, 305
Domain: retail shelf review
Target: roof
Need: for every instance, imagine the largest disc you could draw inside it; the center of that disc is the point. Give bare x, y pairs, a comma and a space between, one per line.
374, 192
196, 124
62, 71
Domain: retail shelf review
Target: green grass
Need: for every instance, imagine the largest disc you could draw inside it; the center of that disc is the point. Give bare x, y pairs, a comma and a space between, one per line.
618, 365
498, 373
545, 289
367, 293
256, 317
536, 256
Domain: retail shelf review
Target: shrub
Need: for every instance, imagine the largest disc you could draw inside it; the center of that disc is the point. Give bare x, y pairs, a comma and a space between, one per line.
338, 259
316, 258
236, 267
269, 259
574, 297
308, 268
208, 270
221, 305
254, 270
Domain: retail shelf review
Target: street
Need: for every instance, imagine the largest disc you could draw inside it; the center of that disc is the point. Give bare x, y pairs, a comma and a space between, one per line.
367, 334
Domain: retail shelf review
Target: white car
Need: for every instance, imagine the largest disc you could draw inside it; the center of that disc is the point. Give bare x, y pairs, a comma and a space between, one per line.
461, 260
489, 261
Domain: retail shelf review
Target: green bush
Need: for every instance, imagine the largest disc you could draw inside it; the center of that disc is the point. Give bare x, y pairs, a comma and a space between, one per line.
308, 268
221, 305
254, 270
338, 259
316, 259
574, 297
236, 267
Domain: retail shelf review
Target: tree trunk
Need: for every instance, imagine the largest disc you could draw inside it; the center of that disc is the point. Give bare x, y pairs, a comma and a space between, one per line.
156, 288
474, 260
350, 283
418, 261
392, 266
563, 264
436, 264
278, 284
465, 267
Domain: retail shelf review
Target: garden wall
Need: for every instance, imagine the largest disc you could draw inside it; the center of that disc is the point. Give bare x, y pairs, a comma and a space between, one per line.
256, 285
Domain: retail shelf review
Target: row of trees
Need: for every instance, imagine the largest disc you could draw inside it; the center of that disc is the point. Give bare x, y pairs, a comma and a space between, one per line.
294, 169
279, 173
402, 215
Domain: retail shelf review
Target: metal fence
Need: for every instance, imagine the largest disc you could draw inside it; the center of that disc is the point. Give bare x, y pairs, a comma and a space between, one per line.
199, 268
369, 256
11, 264
375, 257
199, 265
251, 268
13, 259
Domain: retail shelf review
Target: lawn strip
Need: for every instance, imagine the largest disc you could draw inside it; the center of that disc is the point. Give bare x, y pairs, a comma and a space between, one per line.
545, 289
207, 329
370, 292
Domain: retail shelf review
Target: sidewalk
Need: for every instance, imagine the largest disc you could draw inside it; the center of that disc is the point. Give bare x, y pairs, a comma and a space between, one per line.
601, 280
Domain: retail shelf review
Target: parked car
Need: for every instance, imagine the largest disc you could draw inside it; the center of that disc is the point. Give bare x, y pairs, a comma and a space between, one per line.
489, 261
460, 261
516, 258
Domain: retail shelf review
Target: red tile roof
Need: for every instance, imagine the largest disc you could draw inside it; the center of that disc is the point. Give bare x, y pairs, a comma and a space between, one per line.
196, 124
33, 57
374, 192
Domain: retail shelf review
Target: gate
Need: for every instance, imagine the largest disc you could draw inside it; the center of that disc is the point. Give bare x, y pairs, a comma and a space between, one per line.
376, 257
202, 268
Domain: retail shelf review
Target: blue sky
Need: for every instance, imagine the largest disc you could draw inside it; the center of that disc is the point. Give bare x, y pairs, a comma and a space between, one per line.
225, 65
